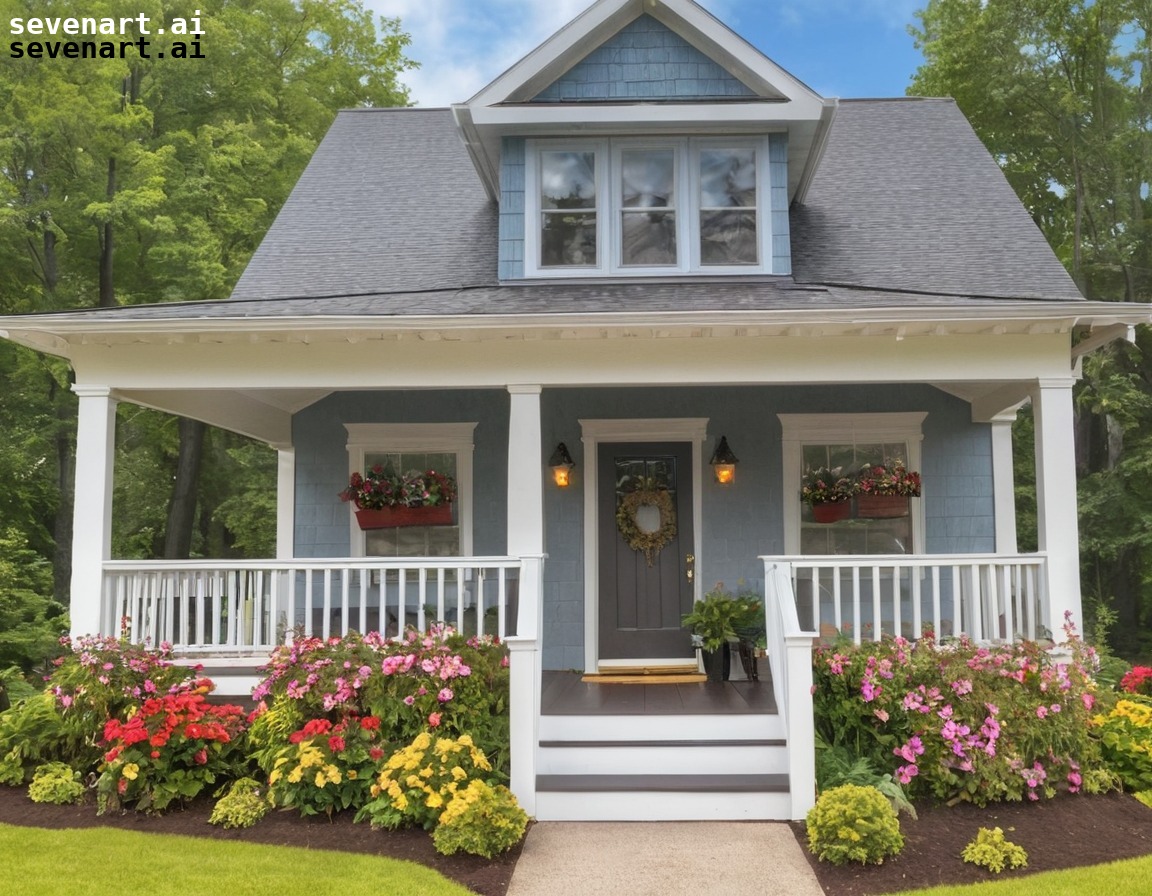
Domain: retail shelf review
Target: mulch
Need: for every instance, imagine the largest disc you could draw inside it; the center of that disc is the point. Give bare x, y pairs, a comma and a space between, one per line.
1064, 832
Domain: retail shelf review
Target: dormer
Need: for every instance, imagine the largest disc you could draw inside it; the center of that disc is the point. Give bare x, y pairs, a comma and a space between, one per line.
644, 139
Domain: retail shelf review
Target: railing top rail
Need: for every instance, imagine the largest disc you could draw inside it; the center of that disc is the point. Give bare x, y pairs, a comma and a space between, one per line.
909, 560
306, 563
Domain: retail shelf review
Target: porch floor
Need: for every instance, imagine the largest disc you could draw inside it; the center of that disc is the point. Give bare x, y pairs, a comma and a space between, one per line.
565, 694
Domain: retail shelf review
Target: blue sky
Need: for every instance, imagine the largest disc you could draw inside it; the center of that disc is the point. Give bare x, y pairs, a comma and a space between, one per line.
845, 48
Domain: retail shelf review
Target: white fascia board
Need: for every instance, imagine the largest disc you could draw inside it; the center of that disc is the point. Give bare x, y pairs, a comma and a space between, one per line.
577, 118
227, 408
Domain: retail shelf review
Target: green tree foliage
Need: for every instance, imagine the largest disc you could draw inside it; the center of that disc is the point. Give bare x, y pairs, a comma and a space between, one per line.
153, 179
1061, 93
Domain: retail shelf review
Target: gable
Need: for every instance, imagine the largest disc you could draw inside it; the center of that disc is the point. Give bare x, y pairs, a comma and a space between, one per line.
645, 60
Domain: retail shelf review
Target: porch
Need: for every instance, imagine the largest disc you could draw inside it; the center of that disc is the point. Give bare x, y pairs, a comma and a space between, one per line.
740, 750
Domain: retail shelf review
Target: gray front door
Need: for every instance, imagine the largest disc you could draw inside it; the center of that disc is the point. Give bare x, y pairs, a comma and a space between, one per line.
642, 595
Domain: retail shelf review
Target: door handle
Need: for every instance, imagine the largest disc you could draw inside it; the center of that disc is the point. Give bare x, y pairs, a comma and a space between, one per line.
689, 560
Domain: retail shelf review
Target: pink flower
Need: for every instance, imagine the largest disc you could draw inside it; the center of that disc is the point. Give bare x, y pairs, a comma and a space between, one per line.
445, 695
881, 714
906, 773
1041, 712
434, 720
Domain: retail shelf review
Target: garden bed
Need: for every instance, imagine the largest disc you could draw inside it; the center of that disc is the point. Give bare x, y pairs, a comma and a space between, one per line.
488, 877
1064, 832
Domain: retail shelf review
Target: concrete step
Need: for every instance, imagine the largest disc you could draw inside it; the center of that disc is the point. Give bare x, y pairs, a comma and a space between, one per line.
662, 797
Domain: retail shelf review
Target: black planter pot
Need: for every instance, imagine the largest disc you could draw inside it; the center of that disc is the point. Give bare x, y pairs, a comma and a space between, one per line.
718, 663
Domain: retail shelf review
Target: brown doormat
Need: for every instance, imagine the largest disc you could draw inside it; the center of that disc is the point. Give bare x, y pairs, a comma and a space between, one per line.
686, 674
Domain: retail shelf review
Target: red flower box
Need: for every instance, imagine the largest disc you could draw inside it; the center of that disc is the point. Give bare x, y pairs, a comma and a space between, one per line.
881, 506
401, 515
831, 511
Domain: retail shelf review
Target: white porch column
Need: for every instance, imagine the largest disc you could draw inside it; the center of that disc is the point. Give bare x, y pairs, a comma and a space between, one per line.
1004, 482
526, 541
285, 503
1056, 522
525, 473
92, 513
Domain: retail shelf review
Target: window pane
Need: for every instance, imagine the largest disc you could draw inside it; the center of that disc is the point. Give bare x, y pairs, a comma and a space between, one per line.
567, 239
728, 178
728, 237
648, 178
567, 180
413, 541
649, 238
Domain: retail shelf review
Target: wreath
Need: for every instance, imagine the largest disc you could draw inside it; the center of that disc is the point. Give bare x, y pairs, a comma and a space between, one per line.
651, 543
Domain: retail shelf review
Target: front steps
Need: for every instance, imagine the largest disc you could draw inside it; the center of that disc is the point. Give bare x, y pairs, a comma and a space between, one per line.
662, 768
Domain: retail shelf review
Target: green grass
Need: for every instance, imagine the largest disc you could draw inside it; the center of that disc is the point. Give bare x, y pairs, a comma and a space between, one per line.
100, 862
1132, 877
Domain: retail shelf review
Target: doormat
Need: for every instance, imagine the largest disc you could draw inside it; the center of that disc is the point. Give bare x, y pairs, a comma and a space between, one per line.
647, 675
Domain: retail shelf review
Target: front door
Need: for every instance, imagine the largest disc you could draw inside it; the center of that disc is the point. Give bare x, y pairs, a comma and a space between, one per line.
644, 493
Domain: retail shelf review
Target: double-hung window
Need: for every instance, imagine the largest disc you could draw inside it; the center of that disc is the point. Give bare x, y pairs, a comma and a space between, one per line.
647, 207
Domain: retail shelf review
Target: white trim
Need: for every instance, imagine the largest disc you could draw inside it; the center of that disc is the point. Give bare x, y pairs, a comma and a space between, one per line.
801, 429
285, 503
592, 433
1003, 483
92, 508
401, 437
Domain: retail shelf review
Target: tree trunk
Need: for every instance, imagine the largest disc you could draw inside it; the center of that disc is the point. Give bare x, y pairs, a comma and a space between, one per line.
107, 284
182, 509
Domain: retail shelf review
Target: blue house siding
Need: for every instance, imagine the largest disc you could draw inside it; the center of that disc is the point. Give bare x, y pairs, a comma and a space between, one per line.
511, 232
645, 60
741, 522
778, 203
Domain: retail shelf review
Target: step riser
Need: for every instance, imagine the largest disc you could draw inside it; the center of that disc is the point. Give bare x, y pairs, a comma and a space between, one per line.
648, 728
624, 806
658, 760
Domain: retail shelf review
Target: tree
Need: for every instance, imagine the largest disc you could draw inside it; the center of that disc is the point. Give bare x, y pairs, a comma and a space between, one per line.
153, 179
1061, 93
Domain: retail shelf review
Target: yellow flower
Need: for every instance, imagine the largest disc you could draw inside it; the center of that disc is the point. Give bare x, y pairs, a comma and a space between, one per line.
130, 771
434, 801
458, 773
334, 775
465, 739
426, 772
295, 775
352, 774
320, 779
275, 776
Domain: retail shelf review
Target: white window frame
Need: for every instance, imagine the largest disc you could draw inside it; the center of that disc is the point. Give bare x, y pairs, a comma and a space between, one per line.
609, 248
399, 438
844, 429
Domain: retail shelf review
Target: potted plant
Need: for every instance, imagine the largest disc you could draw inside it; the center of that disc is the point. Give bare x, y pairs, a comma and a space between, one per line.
828, 492
716, 620
385, 499
883, 490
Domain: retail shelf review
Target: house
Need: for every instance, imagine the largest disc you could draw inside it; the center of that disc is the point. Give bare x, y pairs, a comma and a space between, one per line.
641, 241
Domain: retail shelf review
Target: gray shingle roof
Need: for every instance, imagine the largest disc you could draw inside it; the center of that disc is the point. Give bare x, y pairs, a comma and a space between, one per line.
390, 202
907, 197
906, 200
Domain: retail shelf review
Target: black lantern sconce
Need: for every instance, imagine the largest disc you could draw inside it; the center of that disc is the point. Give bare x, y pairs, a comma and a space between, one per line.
724, 462
561, 463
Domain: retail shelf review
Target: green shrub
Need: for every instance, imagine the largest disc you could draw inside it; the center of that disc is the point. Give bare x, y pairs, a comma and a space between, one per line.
836, 766
481, 820
853, 824
57, 783
992, 851
1125, 735
418, 781
242, 806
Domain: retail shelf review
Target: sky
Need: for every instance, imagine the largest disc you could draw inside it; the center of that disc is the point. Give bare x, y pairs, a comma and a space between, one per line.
844, 48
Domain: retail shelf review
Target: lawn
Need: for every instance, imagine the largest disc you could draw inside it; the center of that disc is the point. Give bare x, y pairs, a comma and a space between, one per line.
1132, 877
98, 862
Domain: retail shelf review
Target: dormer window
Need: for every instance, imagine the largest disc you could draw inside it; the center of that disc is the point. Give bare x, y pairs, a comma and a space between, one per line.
647, 207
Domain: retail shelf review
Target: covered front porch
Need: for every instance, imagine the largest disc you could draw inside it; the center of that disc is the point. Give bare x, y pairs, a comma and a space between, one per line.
583, 750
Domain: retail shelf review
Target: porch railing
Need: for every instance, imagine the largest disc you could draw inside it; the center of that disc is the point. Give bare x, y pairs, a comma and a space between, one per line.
790, 658
252, 606
988, 597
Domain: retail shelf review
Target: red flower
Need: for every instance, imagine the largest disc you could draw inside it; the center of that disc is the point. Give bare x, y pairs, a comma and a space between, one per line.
375, 754
336, 744
201, 757
370, 723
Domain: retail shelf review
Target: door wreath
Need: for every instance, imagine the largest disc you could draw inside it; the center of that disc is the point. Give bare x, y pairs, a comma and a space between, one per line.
650, 542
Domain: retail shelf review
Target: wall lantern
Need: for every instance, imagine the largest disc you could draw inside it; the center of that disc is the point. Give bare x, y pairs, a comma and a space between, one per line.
561, 463
724, 462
